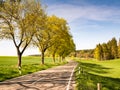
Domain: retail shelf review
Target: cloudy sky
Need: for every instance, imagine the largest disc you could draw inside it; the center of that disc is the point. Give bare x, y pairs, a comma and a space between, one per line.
91, 22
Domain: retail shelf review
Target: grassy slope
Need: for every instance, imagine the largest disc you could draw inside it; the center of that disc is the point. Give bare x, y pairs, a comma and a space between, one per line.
105, 72
8, 66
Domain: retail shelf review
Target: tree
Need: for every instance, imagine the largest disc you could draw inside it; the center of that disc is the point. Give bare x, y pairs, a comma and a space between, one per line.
112, 46
119, 48
98, 53
106, 52
44, 37
66, 47
63, 42
53, 49
18, 23
50, 35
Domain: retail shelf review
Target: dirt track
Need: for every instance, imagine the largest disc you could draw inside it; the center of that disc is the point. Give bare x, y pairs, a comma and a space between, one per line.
57, 78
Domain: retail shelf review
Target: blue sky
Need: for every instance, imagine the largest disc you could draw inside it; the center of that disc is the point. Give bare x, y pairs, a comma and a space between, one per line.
91, 22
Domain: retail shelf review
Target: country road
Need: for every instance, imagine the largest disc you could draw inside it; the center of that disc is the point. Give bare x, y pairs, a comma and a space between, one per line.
57, 78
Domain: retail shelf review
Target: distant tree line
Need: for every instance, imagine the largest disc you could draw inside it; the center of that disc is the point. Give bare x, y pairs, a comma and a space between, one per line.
107, 51
87, 53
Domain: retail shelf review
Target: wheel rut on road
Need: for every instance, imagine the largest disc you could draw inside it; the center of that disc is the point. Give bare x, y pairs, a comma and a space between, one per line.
56, 78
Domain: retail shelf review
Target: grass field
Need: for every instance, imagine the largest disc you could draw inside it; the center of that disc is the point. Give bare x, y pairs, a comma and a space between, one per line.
107, 73
8, 66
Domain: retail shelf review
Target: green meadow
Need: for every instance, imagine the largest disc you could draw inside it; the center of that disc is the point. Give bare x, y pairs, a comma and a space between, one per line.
30, 64
107, 73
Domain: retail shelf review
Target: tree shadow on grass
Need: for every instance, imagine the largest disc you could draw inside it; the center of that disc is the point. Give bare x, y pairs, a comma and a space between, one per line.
94, 68
88, 81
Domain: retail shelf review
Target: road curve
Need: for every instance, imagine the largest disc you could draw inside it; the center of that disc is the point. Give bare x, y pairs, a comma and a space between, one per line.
57, 78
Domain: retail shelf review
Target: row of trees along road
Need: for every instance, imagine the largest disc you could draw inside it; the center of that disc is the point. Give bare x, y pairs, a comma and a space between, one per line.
26, 23
109, 50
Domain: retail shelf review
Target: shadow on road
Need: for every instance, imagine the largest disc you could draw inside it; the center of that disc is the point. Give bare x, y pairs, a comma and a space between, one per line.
51, 79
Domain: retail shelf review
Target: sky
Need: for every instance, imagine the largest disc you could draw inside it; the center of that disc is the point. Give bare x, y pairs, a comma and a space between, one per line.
90, 21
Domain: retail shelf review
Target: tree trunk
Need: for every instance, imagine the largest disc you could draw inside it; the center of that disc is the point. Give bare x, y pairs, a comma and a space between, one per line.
54, 58
42, 57
59, 58
63, 58
19, 57
19, 60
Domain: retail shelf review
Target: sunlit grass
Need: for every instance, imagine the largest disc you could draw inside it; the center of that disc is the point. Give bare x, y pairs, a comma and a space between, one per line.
9, 69
92, 72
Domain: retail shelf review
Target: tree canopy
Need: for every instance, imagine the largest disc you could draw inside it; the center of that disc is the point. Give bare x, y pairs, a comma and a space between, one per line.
18, 22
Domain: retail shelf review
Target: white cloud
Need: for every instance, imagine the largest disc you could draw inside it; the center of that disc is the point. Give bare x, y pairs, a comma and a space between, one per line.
97, 13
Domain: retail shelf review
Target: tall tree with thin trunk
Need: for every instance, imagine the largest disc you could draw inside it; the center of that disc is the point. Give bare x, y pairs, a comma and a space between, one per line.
43, 38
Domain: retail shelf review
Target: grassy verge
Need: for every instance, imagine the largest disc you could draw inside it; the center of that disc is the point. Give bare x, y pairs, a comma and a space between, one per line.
107, 73
8, 66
